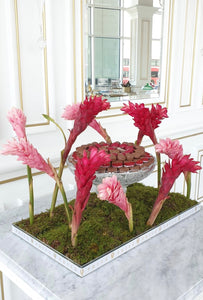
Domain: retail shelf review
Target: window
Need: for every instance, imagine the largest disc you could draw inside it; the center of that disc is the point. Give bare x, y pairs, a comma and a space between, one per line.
108, 43
116, 50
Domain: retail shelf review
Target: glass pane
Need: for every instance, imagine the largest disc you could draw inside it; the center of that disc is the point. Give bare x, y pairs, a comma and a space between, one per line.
156, 3
106, 22
107, 3
89, 62
106, 59
126, 61
155, 49
89, 20
156, 26
126, 23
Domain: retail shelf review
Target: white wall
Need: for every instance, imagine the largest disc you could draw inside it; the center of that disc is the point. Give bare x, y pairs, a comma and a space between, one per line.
182, 92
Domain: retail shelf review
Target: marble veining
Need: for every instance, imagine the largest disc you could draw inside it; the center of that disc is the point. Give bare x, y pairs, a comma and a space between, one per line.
168, 266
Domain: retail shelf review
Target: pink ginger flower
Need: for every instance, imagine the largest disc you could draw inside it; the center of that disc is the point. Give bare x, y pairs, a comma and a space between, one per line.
84, 114
111, 190
17, 119
171, 172
85, 169
145, 119
171, 148
71, 111
28, 155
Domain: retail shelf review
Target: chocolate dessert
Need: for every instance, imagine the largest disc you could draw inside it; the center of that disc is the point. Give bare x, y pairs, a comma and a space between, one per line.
124, 156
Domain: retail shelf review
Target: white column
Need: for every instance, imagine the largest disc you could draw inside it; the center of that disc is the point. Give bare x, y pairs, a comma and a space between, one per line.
141, 43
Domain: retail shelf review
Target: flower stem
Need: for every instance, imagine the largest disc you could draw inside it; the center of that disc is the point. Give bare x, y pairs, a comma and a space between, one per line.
60, 185
188, 181
155, 211
158, 158
131, 219
31, 193
56, 188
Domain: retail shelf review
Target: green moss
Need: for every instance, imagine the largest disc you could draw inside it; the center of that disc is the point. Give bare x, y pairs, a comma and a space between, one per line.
103, 226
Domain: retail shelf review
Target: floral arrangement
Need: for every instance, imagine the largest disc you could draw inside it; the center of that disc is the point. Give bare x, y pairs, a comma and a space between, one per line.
126, 83
84, 114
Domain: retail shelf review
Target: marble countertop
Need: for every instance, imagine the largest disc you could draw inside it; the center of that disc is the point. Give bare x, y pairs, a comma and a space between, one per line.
168, 266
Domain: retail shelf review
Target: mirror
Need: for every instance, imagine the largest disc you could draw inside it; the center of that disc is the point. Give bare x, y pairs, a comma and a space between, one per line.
124, 38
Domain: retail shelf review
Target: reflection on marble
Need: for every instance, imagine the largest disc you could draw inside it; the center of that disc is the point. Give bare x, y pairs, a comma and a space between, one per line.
168, 266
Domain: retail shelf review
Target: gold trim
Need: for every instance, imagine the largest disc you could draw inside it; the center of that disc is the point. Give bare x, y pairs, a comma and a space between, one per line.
25, 176
184, 40
19, 63
169, 50
45, 61
74, 52
19, 178
2, 286
193, 53
198, 177
38, 124
82, 51
18, 53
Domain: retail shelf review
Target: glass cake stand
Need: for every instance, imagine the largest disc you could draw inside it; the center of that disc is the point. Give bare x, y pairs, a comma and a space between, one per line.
125, 178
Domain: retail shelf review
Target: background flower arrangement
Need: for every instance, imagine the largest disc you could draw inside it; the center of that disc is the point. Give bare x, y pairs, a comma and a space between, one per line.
84, 114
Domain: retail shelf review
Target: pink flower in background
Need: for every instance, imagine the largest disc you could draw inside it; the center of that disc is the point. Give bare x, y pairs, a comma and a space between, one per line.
86, 113
111, 190
85, 169
158, 113
187, 164
71, 113
145, 119
171, 148
27, 154
17, 119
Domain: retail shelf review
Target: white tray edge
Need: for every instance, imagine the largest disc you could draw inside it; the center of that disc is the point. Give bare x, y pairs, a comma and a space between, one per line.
97, 263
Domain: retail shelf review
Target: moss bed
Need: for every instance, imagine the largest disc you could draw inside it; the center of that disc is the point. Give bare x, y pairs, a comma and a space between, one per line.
103, 226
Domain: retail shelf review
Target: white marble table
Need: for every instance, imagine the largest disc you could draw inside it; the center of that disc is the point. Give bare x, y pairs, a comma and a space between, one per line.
168, 266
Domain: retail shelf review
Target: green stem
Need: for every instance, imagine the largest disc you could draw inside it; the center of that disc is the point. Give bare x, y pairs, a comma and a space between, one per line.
31, 193
74, 240
56, 188
158, 158
131, 219
188, 181
60, 185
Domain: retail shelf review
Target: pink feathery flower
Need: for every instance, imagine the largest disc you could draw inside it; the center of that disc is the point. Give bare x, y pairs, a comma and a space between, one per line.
27, 154
71, 111
187, 164
171, 148
17, 119
85, 169
86, 113
111, 190
145, 119
171, 172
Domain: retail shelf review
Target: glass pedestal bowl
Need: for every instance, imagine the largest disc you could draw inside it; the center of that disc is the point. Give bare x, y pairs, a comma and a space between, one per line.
125, 178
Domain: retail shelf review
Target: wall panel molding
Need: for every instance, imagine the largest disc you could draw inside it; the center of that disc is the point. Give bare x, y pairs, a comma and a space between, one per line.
199, 178
190, 32
32, 61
